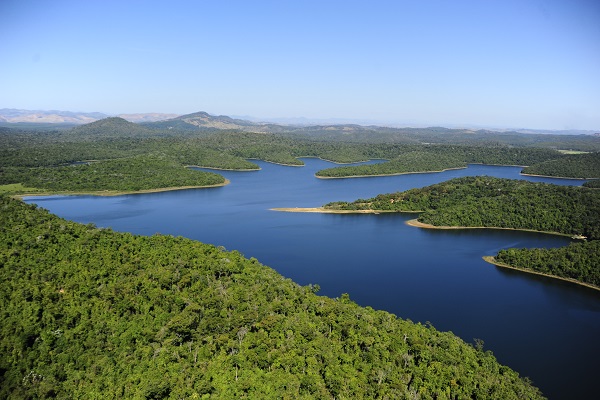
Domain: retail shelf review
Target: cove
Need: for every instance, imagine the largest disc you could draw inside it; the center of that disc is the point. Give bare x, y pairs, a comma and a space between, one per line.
545, 329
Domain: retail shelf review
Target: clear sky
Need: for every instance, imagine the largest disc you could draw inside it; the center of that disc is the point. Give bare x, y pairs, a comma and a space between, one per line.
495, 63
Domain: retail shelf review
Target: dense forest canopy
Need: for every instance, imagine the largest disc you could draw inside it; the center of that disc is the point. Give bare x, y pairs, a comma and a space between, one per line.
147, 172
92, 313
593, 184
570, 165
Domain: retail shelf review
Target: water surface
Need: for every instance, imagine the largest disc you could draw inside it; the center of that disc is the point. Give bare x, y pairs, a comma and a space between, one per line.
545, 329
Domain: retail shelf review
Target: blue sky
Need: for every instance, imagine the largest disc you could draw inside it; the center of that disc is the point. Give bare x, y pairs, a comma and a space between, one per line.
494, 63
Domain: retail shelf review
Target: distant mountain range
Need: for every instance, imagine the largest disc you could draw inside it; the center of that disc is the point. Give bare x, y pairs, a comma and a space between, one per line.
203, 120
146, 117
12, 115
53, 116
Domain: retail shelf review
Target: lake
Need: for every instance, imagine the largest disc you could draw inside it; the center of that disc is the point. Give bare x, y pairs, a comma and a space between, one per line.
545, 329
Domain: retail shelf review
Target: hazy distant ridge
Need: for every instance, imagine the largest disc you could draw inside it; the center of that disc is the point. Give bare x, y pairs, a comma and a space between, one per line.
48, 116
12, 115
204, 120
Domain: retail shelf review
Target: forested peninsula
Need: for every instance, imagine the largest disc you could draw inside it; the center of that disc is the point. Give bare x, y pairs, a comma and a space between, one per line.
577, 262
92, 313
486, 202
134, 174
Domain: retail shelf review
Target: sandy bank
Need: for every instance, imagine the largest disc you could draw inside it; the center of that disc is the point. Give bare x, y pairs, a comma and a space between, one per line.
393, 174
326, 211
556, 177
414, 222
224, 169
116, 192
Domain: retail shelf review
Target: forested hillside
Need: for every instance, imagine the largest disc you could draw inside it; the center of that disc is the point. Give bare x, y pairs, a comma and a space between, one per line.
122, 175
570, 165
91, 313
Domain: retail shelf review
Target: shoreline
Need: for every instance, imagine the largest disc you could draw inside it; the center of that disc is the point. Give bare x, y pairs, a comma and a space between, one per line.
322, 210
276, 163
492, 260
343, 163
109, 193
224, 169
499, 165
418, 224
556, 177
393, 174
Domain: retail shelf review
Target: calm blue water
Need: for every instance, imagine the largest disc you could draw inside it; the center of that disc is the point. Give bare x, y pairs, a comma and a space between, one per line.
547, 330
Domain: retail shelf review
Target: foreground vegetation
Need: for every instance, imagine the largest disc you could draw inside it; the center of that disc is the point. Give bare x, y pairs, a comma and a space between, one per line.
92, 313
514, 204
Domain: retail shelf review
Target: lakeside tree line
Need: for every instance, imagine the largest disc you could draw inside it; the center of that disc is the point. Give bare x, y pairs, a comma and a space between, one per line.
578, 261
92, 313
404, 163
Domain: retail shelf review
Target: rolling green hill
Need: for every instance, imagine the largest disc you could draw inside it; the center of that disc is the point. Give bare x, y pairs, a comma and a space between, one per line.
91, 313
134, 174
570, 165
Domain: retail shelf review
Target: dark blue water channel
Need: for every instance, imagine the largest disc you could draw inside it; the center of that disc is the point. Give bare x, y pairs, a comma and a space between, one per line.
545, 329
